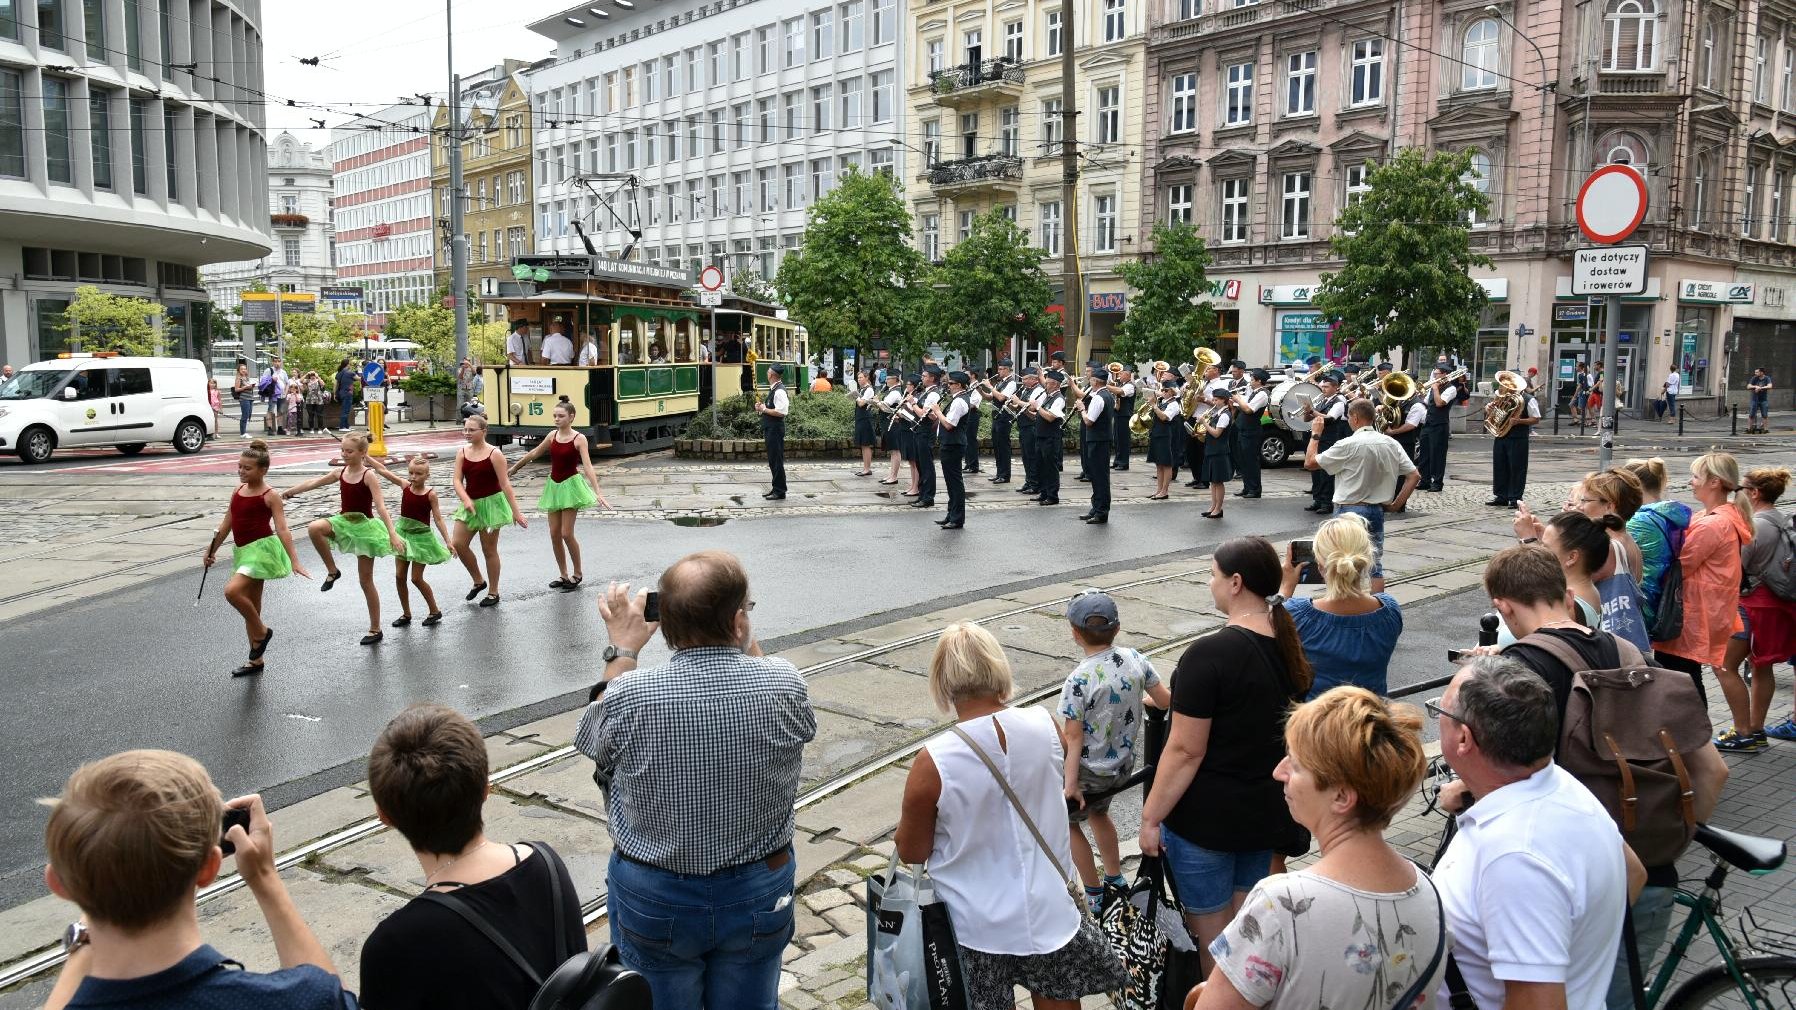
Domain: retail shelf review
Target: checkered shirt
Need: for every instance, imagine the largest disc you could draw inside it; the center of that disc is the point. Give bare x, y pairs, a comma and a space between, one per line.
699, 759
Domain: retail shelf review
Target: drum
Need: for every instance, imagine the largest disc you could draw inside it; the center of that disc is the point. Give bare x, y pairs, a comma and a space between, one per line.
1289, 399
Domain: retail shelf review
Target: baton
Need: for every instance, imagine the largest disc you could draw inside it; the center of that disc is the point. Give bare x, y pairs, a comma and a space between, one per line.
196, 598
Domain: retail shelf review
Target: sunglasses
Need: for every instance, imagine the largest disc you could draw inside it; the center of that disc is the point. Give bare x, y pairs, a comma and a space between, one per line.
1434, 707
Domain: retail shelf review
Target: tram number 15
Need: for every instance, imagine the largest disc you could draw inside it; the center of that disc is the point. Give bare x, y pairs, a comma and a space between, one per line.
536, 409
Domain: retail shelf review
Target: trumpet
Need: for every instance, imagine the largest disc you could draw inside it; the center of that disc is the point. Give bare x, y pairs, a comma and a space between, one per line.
1142, 421
1453, 376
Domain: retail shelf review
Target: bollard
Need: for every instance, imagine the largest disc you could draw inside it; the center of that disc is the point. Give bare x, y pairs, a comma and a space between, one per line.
377, 445
1487, 628
1680, 420
1734, 422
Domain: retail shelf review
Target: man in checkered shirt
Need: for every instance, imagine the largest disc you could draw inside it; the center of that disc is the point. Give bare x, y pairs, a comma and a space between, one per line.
699, 761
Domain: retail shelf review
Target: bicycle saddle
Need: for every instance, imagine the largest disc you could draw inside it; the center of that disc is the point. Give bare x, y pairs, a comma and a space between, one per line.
1748, 852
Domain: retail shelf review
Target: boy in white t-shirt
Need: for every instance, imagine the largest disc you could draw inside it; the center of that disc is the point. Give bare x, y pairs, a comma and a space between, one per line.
1102, 708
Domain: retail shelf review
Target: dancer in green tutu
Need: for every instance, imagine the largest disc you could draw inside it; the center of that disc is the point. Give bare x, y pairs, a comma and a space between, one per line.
418, 508
487, 506
257, 524
572, 486
361, 526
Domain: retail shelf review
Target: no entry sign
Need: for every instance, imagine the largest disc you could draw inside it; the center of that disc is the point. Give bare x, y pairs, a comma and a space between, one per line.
1611, 204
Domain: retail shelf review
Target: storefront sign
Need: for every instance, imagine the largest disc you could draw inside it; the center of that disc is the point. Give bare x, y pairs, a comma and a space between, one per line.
1225, 290
1286, 294
1571, 313
1715, 292
1301, 335
574, 267
1620, 270
1107, 301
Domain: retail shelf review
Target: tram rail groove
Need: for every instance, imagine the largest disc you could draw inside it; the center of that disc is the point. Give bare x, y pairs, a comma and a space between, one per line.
32, 965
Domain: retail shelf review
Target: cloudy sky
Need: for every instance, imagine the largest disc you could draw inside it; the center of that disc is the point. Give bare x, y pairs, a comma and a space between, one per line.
372, 53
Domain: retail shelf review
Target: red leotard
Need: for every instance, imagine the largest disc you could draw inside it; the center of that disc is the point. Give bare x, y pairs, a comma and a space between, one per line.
482, 480
414, 506
355, 497
564, 458
251, 518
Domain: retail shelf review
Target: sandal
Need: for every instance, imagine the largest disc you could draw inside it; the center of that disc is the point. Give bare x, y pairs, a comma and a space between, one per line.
256, 650
559, 584
863, 473
490, 601
433, 620
400, 622
247, 670
573, 583
329, 581
478, 586
888, 482
373, 637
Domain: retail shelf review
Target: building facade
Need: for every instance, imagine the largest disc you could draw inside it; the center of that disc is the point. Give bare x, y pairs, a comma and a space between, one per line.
299, 199
1265, 120
498, 194
120, 166
381, 182
985, 92
697, 133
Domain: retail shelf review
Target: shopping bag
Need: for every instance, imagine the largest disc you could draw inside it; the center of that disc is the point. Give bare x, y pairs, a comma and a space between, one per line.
913, 961
1134, 933
1183, 969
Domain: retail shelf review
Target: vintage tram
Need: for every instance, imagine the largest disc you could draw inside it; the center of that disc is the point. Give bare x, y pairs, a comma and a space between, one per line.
650, 334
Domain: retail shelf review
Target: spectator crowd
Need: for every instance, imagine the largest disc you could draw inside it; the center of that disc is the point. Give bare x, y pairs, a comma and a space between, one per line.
1281, 747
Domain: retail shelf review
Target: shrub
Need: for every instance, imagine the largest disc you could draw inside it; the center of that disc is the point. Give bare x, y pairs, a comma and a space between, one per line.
428, 382
814, 415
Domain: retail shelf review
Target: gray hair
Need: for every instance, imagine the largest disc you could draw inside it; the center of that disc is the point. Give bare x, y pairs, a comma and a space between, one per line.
1511, 711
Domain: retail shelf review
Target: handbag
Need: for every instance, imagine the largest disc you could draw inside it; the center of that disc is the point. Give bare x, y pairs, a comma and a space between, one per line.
1145, 929
913, 959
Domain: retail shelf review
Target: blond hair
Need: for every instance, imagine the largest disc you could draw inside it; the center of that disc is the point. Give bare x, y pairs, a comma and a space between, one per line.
360, 438
1349, 737
1722, 466
1343, 548
968, 663
1650, 473
1619, 488
130, 834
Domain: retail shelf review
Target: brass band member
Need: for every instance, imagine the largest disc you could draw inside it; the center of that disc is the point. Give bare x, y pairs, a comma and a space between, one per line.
865, 435
1218, 466
975, 401
889, 428
1050, 449
927, 399
1194, 452
1250, 407
1407, 431
1124, 388
1004, 388
957, 427
1028, 426
1509, 449
1166, 439
1333, 411
1095, 417
1437, 398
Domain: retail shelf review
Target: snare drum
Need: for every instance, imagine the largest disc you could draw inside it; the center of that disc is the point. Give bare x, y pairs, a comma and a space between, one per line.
1289, 400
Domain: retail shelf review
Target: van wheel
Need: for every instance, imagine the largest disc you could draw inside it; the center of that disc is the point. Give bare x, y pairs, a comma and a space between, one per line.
1274, 450
190, 436
36, 444
133, 448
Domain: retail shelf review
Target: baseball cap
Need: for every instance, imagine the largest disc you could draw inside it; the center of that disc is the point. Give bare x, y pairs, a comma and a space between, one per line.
1093, 610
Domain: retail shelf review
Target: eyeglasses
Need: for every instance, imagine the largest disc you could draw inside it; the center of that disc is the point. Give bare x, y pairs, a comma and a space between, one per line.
1433, 705
1590, 501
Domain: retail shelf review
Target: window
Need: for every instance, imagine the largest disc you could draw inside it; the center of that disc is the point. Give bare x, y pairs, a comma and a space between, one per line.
933, 59
794, 43
1358, 183
744, 197
764, 61
695, 138
57, 153
969, 134
1294, 220
884, 22
1630, 35
1749, 223
1300, 84
715, 51
1478, 177
1053, 33
851, 103
140, 155
649, 90
882, 96
769, 190
49, 24
823, 178
1779, 181
851, 25
882, 161
1368, 72
822, 97
611, 152
12, 124
1114, 24
1699, 192
1234, 210
972, 47
290, 252
93, 16
932, 142
695, 69
1109, 124
1189, 9
739, 57
651, 145
1009, 131
793, 125
1050, 227
1625, 149
1184, 103
1479, 67
966, 225
1706, 56
1013, 41
629, 150
1178, 204
795, 184
1238, 102
133, 31
932, 237
1789, 70
1761, 89
1105, 239
743, 134
823, 34
9, 24
100, 130
670, 142
629, 85
1052, 122
768, 119
718, 132
170, 120
718, 207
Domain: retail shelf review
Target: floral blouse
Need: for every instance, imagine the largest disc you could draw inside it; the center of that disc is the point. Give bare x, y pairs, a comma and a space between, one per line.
1303, 940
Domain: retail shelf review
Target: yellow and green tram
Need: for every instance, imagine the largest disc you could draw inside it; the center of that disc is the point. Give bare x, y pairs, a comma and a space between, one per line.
651, 338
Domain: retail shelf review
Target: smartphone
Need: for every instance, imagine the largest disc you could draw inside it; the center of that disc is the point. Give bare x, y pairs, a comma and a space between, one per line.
238, 817
1303, 552
651, 610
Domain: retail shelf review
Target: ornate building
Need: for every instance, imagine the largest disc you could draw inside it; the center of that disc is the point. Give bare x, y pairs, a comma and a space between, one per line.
496, 133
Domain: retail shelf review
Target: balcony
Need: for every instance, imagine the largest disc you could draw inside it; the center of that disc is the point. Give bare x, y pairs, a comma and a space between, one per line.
289, 220
987, 173
972, 82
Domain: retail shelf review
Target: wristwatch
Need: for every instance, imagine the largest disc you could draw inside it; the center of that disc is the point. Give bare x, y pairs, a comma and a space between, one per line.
1530, 540
613, 652
75, 937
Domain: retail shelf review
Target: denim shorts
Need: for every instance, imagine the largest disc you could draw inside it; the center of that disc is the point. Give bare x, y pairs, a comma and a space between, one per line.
1206, 880
1745, 632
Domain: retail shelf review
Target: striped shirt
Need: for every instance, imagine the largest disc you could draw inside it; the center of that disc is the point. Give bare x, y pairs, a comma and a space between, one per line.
699, 758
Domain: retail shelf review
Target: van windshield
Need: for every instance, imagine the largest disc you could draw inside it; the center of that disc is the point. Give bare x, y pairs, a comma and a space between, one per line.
32, 385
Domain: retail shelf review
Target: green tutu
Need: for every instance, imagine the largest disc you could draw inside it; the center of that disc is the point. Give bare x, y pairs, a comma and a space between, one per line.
360, 535
573, 493
263, 559
490, 513
422, 545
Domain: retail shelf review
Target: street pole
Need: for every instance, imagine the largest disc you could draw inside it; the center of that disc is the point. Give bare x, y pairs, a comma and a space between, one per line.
1611, 340
1072, 302
458, 242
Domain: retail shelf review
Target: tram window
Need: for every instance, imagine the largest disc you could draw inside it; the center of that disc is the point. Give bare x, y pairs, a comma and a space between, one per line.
657, 337
630, 350
683, 352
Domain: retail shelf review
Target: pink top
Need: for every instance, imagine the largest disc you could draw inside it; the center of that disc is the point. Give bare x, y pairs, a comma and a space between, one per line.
1711, 563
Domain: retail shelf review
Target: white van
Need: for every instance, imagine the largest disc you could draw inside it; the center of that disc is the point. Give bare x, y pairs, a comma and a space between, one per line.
102, 399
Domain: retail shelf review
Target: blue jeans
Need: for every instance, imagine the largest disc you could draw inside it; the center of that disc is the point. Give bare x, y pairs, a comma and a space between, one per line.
1759, 407
1652, 920
348, 408
710, 941
1671, 405
248, 407
1374, 517
1206, 880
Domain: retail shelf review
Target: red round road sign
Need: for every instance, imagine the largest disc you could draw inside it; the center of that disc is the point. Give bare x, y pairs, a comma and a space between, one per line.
1611, 204
710, 278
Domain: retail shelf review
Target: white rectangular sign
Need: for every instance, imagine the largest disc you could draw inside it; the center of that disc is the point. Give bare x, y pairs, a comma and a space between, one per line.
1611, 270
534, 385
711, 299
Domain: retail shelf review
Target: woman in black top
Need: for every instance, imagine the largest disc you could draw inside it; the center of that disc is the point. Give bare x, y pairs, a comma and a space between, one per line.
1216, 811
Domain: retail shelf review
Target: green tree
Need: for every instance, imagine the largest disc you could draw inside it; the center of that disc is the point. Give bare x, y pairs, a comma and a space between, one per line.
1407, 247
855, 277
989, 288
486, 341
103, 322
750, 284
315, 342
429, 325
1169, 311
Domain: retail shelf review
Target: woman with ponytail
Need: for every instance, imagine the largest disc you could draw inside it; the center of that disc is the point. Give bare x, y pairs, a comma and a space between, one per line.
1348, 633
1770, 636
1215, 810
1657, 529
1710, 558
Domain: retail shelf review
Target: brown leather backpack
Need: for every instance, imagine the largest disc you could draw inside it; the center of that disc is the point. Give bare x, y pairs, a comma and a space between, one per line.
1625, 736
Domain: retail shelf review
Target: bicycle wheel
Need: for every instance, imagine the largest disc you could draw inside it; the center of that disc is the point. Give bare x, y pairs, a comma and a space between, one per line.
1773, 980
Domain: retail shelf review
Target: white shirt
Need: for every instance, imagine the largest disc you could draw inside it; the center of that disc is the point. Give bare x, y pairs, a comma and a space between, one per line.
1258, 399
1220, 420
1128, 389
867, 395
1417, 414
1548, 839
517, 346
974, 398
1007, 386
781, 402
1052, 405
1674, 383
1004, 895
558, 349
1094, 408
955, 412
930, 399
589, 354
1366, 465
1448, 393
894, 396
1169, 407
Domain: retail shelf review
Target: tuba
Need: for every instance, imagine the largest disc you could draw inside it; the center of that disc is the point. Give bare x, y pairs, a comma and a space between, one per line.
1205, 357
1394, 390
1504, 407
1142, 421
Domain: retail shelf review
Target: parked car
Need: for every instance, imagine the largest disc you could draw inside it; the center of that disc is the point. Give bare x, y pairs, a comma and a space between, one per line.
1279, 443
105, 399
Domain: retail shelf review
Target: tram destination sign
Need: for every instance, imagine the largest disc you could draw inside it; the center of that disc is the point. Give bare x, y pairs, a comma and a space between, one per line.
1610, 270
581, 267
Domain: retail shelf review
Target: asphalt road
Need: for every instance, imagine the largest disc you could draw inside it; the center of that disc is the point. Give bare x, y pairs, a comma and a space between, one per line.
145, 668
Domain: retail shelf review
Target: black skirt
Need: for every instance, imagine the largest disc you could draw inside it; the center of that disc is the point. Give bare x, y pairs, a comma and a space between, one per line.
863, 427
1218, 464
897, 439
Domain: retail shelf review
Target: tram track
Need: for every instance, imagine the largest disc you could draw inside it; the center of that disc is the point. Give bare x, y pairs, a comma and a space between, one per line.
29, 967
